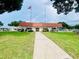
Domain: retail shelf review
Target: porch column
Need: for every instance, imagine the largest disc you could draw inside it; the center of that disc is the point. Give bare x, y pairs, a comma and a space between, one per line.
49, 29
24, 29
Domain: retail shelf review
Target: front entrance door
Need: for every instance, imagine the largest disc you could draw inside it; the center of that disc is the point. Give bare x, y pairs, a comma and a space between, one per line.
37, 29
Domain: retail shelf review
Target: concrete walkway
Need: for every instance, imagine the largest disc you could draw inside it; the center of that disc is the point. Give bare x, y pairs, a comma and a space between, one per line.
46, 49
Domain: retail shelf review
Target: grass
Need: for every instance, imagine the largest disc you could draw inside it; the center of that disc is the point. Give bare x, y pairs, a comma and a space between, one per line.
16, 45
66, 40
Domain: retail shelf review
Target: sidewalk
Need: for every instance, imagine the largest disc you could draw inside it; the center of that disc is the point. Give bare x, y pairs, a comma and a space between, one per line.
46, 49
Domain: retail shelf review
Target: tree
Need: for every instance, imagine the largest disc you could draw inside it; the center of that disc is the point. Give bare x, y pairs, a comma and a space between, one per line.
15, 23
10, 5
76, 26
65, 25
65, 6
1, 24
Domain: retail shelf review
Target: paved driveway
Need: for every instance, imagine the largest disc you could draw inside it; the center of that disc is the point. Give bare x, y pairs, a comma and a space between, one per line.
46, 49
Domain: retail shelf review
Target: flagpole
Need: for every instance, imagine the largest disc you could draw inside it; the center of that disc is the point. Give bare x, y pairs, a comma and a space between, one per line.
31, 15
30, 12
45, 14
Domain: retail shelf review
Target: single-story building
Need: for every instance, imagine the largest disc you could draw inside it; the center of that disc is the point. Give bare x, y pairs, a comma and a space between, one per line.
8, 28
26, 26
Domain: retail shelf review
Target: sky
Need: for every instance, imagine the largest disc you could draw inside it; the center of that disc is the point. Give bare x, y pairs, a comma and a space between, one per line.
42, 11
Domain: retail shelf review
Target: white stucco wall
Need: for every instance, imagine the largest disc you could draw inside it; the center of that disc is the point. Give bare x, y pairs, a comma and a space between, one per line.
40, 28
34, 29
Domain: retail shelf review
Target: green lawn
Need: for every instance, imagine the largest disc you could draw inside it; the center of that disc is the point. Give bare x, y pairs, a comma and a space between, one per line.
16, 45
66, 40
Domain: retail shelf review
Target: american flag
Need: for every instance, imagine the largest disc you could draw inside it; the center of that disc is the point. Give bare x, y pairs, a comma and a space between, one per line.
29, 7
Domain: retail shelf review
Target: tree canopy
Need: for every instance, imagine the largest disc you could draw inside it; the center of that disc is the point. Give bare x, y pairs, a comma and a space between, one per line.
14, 23
76, 26
65, 6
65, 25
10, 5
1, 24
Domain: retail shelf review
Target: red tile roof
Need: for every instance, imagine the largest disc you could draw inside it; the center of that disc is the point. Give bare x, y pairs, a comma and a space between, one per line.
28, 24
